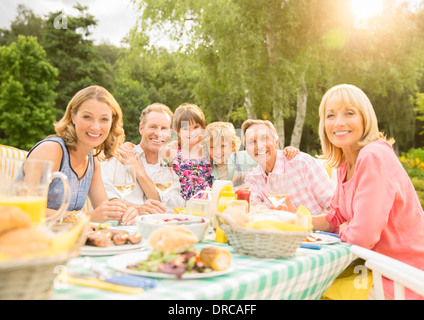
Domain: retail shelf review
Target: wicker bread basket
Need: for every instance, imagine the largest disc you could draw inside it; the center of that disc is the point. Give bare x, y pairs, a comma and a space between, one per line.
33, 278
261, 243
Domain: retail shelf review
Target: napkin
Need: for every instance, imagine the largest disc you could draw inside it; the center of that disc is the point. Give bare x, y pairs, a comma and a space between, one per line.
304, 218
99, 284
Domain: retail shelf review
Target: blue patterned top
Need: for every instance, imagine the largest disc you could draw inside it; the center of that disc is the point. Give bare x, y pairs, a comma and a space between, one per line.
79, 187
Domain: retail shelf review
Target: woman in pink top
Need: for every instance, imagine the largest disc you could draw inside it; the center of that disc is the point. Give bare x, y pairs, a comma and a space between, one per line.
375, 205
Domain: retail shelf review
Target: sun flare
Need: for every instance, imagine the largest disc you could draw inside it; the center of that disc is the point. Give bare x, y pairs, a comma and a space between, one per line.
364, 9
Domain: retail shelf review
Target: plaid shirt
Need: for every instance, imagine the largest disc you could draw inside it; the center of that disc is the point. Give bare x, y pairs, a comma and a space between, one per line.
310, 184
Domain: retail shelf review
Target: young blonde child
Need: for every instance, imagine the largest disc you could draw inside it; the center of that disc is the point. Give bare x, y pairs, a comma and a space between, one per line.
189, 158
227, 160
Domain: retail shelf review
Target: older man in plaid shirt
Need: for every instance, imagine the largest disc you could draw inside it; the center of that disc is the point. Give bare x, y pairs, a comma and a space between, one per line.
309, 183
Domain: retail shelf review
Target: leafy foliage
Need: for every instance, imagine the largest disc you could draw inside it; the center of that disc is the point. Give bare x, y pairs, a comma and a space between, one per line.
413, 163
77, 59
238, 59
259, 50
27, 96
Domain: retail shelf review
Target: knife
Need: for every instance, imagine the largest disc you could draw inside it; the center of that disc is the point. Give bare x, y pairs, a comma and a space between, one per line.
97, 271
328, 233
310, 246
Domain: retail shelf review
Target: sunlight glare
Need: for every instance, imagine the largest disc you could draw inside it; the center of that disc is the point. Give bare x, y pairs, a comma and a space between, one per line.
364, 9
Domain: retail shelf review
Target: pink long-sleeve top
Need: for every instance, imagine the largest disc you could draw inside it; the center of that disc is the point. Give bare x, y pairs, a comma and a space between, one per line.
382, 208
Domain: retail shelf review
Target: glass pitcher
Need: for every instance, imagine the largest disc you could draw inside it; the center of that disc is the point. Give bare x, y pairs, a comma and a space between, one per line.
24, 183
199, 204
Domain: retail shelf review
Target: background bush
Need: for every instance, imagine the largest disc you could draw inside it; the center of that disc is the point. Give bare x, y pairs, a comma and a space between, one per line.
413, 162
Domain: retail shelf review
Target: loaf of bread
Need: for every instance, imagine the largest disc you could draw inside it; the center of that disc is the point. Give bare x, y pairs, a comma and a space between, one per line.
236, 216
21, 242
12, 217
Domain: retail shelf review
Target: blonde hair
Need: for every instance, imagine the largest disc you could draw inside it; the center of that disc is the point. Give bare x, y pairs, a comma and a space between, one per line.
65, 129
351, 96
155, 107
188, 112
217, 130
250, 122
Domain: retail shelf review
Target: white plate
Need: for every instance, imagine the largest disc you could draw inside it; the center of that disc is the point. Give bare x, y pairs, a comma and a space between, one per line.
324, 239
112, 249
120, 263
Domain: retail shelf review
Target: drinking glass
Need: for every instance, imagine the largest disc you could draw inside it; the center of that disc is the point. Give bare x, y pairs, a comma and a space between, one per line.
277, 188
124, 178
163, 178
238, 179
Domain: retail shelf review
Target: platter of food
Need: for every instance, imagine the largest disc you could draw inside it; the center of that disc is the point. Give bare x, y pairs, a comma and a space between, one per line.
174, 257
103, 240
88, 250
148, 223
131, 262
321, 238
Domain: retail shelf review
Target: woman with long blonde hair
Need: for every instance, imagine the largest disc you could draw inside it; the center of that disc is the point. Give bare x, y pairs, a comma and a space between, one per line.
375, 205
91, 129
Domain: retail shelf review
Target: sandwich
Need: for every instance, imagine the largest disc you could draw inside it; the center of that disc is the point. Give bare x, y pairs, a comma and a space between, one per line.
173, 253
172, 239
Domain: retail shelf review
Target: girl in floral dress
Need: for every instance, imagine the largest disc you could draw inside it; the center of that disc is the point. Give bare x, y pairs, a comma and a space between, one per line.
189, 158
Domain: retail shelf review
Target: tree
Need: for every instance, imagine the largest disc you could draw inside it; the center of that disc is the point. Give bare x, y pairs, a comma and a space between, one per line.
253, 55
27, 95
386, 60
26, 23
74, 55
275, 59
143, 77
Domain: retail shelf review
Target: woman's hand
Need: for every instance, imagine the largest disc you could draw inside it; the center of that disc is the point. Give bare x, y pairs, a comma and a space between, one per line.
320, 222
169, 151
127, 154
290, 152
343, 225
129, 216
108, 210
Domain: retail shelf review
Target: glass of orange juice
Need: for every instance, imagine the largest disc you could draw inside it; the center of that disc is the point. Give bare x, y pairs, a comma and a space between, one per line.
24, 183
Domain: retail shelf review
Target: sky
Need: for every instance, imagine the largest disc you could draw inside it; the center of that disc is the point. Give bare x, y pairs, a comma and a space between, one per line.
115, 18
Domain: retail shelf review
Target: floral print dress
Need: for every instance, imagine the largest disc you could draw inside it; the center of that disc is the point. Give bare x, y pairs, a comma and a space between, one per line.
195, 174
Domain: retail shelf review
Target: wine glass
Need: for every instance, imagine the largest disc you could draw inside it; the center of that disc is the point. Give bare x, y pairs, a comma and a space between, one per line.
163, 179
277, 188
124, 178
238, 179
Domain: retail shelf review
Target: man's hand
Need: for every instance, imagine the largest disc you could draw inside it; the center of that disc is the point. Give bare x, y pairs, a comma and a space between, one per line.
288, 206
151, 207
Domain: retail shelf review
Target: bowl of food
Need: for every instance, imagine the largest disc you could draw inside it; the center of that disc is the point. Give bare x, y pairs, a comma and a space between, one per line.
147, 223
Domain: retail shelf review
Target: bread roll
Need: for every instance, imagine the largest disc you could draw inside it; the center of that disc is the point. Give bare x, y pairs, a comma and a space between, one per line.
24, 241
12, 217
236, 216
172, 238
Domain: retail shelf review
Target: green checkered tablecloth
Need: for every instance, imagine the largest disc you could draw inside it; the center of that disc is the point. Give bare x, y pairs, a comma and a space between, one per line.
305, 276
